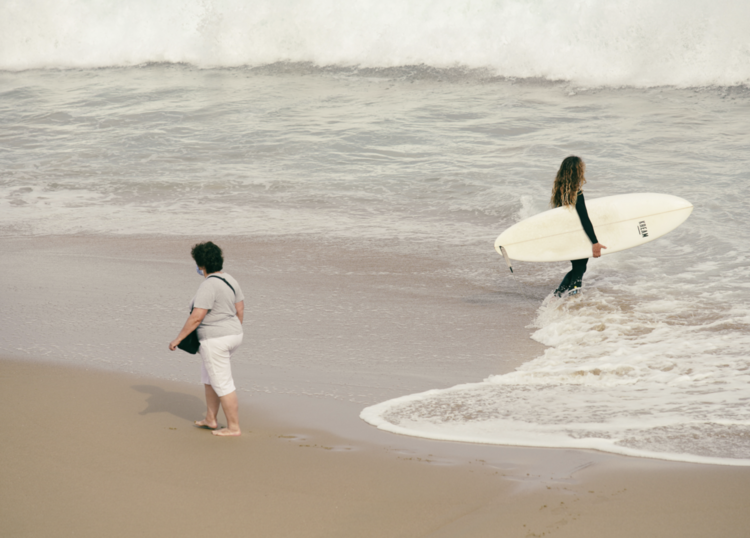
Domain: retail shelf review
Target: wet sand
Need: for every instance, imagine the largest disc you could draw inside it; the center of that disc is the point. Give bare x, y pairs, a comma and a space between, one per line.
358, 325
93, 453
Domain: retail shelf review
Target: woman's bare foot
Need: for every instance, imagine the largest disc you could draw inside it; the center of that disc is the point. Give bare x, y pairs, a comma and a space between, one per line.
226, 432
206, 425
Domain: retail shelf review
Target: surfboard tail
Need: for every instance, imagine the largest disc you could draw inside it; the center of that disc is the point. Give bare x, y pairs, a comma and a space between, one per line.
507, 259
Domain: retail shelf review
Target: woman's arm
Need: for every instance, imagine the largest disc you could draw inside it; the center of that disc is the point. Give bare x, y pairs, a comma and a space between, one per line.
194, 319
240, 310
587, 226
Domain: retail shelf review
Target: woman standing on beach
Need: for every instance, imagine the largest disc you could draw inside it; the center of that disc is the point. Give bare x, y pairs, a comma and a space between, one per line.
217, 312
567, 192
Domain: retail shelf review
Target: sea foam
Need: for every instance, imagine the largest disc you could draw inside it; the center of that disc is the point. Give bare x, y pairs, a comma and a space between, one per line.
651, 367
638, 43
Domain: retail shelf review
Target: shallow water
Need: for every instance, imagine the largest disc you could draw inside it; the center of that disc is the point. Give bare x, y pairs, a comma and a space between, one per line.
435, 160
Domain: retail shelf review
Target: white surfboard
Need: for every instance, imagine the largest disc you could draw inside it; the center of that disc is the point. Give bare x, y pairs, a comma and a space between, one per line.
620, 222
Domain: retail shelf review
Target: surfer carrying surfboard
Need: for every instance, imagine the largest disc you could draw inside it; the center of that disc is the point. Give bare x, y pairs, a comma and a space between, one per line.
559, 234
566, 192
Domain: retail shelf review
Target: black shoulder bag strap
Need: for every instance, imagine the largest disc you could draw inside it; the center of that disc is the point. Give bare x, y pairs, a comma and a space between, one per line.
225, 282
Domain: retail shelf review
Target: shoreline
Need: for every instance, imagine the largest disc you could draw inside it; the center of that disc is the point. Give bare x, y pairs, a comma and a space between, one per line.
321, 319
331, 331
129, 463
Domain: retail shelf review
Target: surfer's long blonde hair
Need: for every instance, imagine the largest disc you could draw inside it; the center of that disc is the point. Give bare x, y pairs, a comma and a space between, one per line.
568, 182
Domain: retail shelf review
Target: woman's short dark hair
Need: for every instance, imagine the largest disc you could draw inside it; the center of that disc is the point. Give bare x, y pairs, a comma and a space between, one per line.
208, 256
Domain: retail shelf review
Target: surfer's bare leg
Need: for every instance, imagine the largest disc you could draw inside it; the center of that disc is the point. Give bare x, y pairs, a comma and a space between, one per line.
230, 405
212, 409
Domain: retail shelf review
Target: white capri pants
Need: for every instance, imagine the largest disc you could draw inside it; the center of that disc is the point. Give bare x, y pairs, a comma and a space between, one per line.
216, 369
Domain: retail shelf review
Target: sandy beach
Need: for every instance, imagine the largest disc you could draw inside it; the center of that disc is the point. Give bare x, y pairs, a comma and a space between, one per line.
97, 446
92, 453
356, 163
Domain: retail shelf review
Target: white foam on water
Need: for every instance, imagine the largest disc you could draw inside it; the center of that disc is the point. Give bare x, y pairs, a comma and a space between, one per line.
651, 366
32, 212
178, 150
638, 43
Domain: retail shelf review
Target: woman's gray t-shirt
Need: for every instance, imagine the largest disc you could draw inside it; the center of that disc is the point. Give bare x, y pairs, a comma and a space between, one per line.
215, 296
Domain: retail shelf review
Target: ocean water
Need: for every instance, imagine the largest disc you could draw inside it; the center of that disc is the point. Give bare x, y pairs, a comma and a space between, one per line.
417, 125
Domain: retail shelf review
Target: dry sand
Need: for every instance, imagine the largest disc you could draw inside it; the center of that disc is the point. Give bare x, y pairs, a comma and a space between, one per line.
92, 453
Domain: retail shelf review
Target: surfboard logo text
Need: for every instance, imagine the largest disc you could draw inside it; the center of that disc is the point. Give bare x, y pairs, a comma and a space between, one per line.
642, 229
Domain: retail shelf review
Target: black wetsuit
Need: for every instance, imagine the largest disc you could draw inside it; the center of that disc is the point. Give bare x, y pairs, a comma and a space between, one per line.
575, 276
